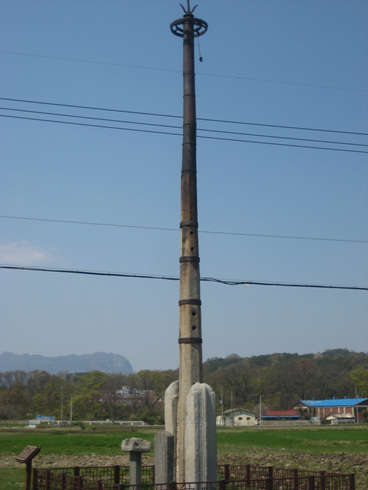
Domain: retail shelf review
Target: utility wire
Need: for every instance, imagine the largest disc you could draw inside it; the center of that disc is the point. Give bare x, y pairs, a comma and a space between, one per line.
166, 133
156, 228
154, 114
236, 77
175, 278
238, 133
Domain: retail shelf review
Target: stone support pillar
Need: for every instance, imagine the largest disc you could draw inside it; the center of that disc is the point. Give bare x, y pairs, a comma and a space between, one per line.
164, 458
135, 447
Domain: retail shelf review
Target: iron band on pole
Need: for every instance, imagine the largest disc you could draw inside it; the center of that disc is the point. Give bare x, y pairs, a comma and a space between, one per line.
188, 223
193, 302
190, 340
189, 259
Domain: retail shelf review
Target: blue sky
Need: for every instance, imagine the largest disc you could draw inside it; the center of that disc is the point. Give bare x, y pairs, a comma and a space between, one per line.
281, 63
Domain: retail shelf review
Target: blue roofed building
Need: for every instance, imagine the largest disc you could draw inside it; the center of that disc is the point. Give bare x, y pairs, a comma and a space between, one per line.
357, 407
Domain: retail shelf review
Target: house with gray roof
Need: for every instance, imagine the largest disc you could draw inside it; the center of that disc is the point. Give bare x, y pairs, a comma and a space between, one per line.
236, 417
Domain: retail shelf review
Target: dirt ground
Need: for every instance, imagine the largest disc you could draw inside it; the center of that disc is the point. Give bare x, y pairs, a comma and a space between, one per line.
334, 462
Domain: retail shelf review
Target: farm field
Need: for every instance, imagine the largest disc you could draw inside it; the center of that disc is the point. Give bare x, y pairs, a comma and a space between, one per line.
336, 449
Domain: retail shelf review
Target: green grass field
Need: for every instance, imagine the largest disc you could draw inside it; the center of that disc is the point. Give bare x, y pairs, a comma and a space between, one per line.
232, 443
68, 442
312, 440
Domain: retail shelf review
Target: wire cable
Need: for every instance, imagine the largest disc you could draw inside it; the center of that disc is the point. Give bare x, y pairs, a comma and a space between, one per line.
236, 77
154, 114
156, 228
238, 133
166, 133
175, 278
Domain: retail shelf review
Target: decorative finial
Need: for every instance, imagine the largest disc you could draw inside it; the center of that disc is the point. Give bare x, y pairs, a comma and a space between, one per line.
199, 25
188, 11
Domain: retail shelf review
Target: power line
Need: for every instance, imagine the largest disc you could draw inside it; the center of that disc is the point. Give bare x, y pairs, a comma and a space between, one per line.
175, 278
279, 126
238, 133
155, 114
96, 118
156, 228
166, 133
236, 77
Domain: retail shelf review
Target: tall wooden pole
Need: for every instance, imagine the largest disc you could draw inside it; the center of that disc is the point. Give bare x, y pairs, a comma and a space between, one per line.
190, 336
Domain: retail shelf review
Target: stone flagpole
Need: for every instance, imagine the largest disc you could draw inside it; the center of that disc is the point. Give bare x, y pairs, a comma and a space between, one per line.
190, 338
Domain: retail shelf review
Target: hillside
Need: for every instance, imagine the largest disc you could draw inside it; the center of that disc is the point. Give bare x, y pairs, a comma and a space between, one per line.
99, 361
281, 379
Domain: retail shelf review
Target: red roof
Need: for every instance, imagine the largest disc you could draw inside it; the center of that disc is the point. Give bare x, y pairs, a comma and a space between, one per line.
282, 413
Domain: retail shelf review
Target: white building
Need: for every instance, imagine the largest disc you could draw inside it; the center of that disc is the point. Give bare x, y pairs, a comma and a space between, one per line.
237, 417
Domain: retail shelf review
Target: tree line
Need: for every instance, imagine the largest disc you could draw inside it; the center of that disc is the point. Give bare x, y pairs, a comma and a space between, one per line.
277, 380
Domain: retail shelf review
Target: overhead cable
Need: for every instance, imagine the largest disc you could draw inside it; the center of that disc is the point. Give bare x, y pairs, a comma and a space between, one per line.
155, 114
157, 228
155, 68
166, 133
140, 123
175, 278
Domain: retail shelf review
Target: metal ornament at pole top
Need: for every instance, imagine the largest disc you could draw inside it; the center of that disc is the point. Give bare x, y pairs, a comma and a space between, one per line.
199, 26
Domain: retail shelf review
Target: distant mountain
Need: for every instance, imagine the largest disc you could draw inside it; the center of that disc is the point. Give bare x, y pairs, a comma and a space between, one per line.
100, 361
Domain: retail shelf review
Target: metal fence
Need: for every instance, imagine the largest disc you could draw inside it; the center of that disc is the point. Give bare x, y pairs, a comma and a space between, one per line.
322, 479
230, 477
51, 478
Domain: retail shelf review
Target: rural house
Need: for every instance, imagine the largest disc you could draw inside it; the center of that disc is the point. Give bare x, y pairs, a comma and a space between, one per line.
236, 417
323, 408
290, 414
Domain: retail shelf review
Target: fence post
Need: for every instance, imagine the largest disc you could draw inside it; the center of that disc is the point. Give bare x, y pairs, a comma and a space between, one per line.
269, 483
173, 485
116, 474
352, 481
76, 471
63, 481
295, 477
322, 475
270, 477
311, 482
247, 472
79, 482
227, 472
99, 484
48, 480
35, 479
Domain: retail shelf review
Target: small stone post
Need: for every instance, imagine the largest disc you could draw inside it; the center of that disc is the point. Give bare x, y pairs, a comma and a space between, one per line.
135, 447
164, 458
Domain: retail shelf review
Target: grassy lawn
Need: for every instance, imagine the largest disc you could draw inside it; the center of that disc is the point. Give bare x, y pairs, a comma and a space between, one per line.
311, 440
12, 478
61, 441
69, 442
231, 442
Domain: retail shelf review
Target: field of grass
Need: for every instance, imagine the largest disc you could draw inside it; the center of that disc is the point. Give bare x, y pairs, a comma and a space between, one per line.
321, 439
104, 441
313, 443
